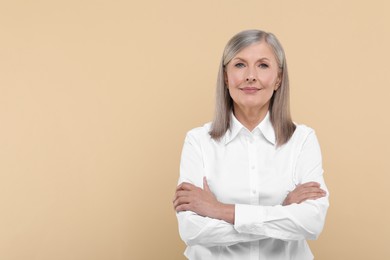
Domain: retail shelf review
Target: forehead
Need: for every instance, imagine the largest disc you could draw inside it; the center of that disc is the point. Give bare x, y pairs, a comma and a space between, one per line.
258, 50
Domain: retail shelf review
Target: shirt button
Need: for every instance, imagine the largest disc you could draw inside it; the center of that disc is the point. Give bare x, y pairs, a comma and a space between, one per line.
253, 191
253, 167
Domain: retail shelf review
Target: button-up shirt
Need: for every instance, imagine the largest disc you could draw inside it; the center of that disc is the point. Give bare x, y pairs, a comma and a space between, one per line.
247, 169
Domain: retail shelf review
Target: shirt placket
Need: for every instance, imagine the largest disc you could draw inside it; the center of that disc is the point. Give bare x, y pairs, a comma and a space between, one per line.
254, 187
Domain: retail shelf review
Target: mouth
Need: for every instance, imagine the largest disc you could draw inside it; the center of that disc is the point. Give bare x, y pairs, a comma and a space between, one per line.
250, 90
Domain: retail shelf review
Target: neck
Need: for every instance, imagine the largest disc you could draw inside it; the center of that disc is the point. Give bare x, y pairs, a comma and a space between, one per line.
250, 117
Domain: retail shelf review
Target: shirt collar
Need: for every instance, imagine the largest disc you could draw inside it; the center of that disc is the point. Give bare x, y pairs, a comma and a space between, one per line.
265, 127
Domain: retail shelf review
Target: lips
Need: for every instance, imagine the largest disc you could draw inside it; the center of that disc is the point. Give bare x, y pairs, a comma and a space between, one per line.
250, 90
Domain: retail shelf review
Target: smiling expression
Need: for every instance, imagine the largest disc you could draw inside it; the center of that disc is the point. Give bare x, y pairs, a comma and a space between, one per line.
252, 76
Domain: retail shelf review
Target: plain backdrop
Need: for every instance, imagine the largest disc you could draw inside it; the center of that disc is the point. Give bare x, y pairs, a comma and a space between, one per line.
96, 97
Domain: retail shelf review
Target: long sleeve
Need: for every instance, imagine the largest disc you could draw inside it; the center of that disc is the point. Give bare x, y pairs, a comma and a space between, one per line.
247, 169
195, 229
296, 221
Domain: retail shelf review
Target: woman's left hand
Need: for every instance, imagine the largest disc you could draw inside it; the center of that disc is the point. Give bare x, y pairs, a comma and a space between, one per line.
303, 192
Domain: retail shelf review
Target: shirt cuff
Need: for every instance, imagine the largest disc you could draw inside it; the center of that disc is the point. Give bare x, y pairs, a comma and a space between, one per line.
249, 219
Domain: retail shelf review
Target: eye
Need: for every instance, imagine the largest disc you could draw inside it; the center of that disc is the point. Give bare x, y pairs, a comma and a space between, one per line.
239, 65
263, 65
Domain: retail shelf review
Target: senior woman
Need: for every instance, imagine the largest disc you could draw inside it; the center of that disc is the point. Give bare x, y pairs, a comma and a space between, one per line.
251, 182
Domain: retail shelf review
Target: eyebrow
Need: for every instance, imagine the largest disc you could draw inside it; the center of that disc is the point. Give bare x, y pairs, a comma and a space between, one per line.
261, 59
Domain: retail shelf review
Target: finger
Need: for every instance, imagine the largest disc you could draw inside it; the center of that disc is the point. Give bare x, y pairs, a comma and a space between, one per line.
183, 207
316, 198
180, 201
313, 190
205, 184
310, 196
179, 186
185, 186
306, 189
182, 185
180, 193
307, 194
183, 193
310, 184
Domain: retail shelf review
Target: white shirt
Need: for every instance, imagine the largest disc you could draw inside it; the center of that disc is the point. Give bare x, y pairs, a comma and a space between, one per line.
248, 169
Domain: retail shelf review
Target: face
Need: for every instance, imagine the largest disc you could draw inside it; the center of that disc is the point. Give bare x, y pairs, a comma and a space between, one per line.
252, 76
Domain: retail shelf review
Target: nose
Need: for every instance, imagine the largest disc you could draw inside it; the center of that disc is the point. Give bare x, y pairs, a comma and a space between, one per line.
250, 78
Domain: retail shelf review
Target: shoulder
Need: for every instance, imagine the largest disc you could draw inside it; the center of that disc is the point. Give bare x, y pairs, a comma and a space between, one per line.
302, 130
304, 136
199, 134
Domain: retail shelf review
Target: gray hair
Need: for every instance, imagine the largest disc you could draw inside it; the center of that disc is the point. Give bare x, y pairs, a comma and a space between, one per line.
280, 102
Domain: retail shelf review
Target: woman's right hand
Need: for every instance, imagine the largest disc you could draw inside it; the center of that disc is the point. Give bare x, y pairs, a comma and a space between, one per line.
302, 192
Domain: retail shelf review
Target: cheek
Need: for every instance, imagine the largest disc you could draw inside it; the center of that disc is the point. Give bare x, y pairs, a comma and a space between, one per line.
269, 80
234, 79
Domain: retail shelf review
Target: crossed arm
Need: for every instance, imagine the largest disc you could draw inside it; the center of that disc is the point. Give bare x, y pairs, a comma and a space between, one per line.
188, 197
203, 220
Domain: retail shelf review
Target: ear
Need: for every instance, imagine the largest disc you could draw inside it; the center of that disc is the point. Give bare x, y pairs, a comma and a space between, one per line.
278, 81
225, 77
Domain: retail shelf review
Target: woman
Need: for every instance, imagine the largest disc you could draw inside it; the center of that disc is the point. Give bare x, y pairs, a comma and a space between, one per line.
251, 184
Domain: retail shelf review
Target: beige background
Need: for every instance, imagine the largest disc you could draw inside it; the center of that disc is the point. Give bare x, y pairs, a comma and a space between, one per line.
96, 98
